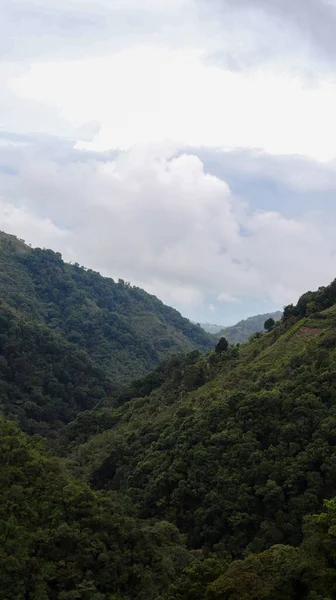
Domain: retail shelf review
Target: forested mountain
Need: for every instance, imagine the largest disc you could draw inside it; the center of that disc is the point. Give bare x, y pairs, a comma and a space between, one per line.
61, 540
122, 328
70, 337
235, 334
233, 447
213, 477
44, 380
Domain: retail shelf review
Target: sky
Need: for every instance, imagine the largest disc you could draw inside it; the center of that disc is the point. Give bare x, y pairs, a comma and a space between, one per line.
186, 146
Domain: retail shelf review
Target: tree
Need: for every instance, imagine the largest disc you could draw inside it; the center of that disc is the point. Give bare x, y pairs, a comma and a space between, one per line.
222, 345
269, 324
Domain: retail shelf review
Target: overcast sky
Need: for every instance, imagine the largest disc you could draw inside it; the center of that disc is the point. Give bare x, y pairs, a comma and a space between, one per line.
187, 146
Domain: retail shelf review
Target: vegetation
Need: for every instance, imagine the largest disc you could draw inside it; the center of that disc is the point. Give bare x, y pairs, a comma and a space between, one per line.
269, 324
60, 540
69, 338
122, 328
44, 380
242, 331
234, 448
222, 345
210, 478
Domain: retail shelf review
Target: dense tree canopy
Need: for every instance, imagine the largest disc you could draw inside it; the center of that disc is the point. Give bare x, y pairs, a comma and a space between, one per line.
235, 447
212, 477
269, 324
120, 327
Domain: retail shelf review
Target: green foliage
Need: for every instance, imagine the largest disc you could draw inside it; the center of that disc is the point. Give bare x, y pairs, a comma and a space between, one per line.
319, 548
60, 540
44, 380
269, 324
273, 575
204, 479
222, 345
122, 328
312, 302
235, 448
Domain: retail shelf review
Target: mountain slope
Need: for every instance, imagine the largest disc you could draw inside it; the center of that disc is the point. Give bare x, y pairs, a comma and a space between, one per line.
242, 331
236, 447
122, 328
44, 380
60, 540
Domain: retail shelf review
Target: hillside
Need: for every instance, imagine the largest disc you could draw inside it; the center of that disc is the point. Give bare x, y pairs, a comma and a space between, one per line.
122, 328
242, 331
45, 381
60, 540
211, 478
233, 448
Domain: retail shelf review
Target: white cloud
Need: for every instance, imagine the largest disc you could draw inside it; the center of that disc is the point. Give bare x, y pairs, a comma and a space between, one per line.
164, 224
147, 95
226, 297
150, 77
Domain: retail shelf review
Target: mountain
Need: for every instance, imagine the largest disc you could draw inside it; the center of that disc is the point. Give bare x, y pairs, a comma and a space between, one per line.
45, 381
234, 447
211, 478
211, 327
61, 540
70, 337
242, 331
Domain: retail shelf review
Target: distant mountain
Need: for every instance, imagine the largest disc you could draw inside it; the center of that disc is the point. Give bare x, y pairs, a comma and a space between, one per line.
211, 327
68, 335
243, 330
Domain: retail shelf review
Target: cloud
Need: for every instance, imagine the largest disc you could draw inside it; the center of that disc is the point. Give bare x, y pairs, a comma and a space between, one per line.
225, 297
278, 29
161, 222
44, 30
154, 95
124, 73
294, 173
164, 142
238, 31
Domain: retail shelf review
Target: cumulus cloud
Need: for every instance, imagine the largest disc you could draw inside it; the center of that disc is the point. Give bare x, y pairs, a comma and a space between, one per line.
160, 221
157, 95
129, 137
151, 71
295, 172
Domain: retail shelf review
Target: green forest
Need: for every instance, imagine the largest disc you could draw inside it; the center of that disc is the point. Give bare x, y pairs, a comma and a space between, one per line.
142, 459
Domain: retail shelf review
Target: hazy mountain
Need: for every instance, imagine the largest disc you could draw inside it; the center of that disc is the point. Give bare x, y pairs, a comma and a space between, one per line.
243, 330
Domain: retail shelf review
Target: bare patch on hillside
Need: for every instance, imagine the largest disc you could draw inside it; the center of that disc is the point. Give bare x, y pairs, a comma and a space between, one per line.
308, 331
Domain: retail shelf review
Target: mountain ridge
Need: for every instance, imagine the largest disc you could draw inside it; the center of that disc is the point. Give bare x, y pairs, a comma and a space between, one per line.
212, 477
40, 284
241, 331
272, 397
109, 333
